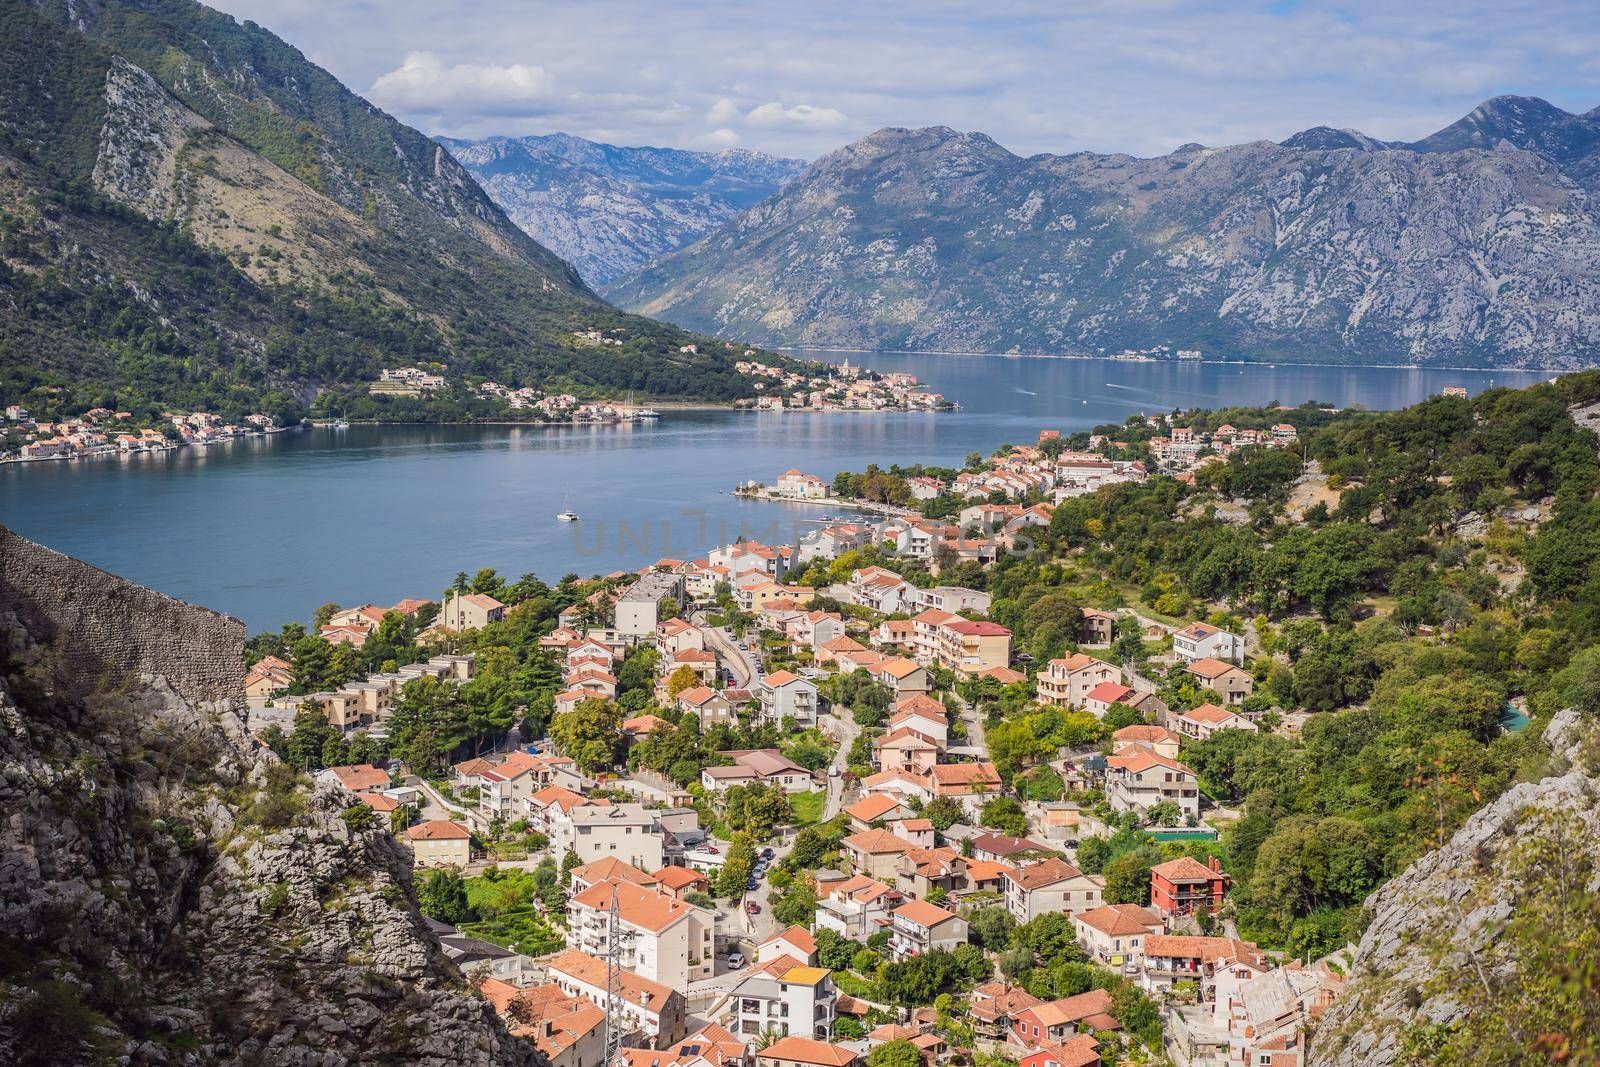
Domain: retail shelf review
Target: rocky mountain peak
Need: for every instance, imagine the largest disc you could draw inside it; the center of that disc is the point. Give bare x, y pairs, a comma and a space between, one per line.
1326, 138
609, 209
935, 239
1527, 122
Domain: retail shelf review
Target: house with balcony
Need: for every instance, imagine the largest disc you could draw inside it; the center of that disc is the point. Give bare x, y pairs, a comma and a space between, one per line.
875, 853
782, 998
994, 1007
1185, 885
1113, 935
857, 907
917, 928
1138, 778
663, 939
1170, 959
784, 693
905, 750
1068, 681
1232, 684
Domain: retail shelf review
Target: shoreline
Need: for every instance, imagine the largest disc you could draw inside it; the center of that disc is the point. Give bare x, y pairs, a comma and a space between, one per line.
112, 452
893, 510
1264, 363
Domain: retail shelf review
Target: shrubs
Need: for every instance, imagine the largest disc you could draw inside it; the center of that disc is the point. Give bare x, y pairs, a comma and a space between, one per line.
279, 801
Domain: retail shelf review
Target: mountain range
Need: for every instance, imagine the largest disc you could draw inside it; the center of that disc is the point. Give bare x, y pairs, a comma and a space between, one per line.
1477, 245
609, 210
192, 214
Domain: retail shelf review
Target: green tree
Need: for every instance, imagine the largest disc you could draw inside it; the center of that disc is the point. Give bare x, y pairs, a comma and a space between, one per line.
1006, 815
1128, 878
591, 734
443, 896
737, 867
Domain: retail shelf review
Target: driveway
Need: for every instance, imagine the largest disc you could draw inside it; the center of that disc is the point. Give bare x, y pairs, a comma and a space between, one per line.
436, 802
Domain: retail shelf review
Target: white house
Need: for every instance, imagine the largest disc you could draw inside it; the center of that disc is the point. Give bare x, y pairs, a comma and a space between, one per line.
784, 693
1199, 640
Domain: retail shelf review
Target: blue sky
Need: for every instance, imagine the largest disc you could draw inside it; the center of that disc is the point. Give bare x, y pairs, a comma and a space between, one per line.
1139, 76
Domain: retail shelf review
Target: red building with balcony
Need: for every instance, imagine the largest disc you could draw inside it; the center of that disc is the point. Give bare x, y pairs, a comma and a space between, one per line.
1183, 886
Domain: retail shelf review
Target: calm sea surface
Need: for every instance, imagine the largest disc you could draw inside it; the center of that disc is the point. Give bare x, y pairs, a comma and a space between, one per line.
267, 529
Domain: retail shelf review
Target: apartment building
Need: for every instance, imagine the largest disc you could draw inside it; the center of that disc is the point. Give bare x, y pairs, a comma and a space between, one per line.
1138, 778
784, 693
655, 1011
627, 832
664, 939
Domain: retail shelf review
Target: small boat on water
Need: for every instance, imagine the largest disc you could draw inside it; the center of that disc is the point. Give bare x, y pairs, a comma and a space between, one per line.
566, 514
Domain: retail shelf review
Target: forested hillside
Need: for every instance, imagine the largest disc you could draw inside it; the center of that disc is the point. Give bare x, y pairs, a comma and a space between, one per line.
192, 214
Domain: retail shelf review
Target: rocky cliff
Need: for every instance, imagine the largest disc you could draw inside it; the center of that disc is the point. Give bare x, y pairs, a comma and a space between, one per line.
609, 210
170, 894
1483, 950
1476, 246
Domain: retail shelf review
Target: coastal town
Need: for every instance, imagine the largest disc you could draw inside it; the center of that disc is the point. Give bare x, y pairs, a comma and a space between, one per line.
813, 804
100, 431
103, 432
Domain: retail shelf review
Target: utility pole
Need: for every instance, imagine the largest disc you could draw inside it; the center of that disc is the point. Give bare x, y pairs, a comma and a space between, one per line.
614, 1020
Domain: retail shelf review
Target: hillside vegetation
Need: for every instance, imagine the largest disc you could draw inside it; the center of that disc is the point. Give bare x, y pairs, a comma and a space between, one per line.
192, 214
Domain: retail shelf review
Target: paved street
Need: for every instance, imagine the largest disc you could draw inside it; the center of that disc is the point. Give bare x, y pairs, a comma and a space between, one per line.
739, 663
843, 728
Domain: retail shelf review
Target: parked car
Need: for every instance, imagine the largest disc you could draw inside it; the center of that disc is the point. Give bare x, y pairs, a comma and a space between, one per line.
767, 854
735, 961
709, 847
752, 907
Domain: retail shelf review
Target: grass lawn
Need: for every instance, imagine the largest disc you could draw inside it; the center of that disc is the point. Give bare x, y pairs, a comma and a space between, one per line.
808, 807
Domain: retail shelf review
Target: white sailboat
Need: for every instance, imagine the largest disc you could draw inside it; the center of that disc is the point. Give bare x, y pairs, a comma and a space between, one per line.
567, 514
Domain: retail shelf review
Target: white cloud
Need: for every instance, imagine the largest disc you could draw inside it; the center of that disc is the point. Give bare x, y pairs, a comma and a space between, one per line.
801, 116
1139, 76
717, 139
423, 82
723, 113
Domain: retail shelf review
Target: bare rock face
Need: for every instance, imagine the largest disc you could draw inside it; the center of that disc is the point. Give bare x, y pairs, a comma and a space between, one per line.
169, 892
1462, 250
1445, 913
610, 210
